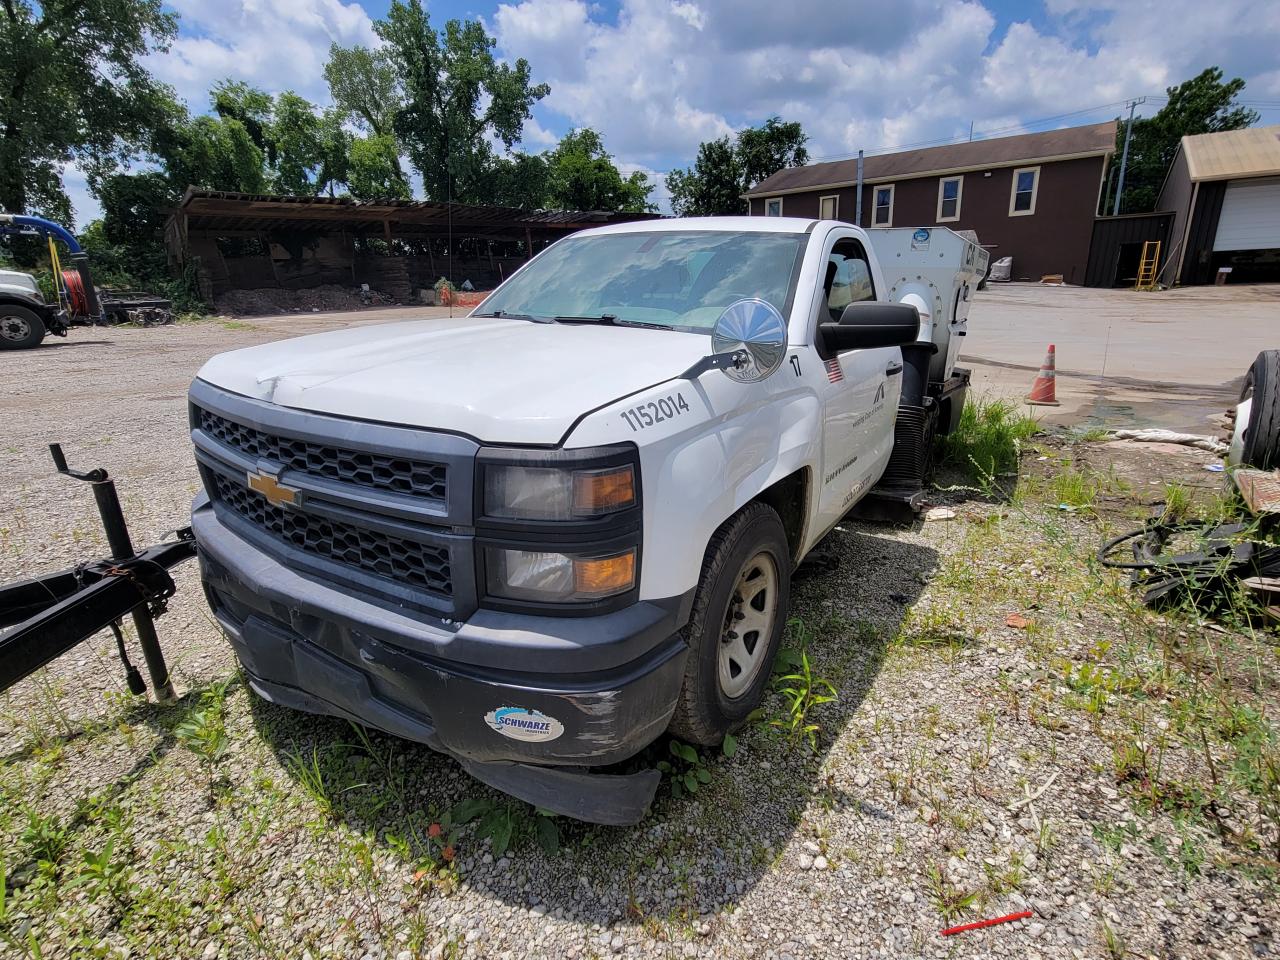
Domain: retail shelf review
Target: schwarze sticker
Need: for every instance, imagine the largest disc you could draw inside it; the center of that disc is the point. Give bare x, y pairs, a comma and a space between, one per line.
520, 723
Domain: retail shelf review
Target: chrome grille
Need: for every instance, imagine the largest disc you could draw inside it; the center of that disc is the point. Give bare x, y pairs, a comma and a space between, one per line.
394, 558
379, 472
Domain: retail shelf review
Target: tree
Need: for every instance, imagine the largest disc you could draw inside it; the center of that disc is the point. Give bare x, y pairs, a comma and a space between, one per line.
1203, 104
725, 169
74, 89
365, 90
218, 153
134, 207
518, 180
309, 149
763, 151
373, 169
582, 176
125, 243
714, 185
254, 143
250, 107
456, 97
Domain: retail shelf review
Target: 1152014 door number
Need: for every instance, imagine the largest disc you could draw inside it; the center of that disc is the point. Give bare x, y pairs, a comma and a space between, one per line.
655, 411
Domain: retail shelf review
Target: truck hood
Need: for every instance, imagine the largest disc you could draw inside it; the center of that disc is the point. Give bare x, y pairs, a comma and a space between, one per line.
500, 381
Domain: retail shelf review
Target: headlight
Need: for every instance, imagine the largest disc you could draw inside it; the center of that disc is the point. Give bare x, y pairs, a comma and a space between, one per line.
556, 493
558, 577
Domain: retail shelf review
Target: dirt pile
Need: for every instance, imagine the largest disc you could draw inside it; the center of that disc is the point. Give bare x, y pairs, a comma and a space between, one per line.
272, 300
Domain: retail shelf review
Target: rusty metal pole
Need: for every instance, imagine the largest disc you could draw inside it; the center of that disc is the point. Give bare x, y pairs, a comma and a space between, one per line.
117, 531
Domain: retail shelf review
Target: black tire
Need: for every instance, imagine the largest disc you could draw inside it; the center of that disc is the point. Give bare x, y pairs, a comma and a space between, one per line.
20, 328
1262, 432
705, 712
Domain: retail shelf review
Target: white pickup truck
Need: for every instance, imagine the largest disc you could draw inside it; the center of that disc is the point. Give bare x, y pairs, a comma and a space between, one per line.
537, 537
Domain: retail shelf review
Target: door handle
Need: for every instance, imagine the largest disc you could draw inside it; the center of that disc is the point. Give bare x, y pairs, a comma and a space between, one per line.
893, 369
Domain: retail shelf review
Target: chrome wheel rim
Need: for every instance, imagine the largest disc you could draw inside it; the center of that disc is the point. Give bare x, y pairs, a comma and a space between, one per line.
14, 328
748, 624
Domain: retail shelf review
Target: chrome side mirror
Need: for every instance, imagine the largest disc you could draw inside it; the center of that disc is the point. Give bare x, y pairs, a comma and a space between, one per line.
754, 332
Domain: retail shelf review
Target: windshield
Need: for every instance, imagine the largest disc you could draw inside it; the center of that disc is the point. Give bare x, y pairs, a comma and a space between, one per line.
678, 279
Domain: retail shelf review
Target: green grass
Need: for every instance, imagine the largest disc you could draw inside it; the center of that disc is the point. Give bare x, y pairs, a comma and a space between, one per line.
987, 441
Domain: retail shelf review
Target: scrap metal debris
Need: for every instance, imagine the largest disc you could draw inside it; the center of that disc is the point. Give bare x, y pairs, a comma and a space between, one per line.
1173, 560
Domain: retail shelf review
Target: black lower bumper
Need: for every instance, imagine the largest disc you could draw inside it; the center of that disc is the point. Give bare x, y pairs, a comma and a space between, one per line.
525, 730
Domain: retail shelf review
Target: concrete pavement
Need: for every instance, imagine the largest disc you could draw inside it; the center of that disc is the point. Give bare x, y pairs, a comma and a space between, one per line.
1167, 359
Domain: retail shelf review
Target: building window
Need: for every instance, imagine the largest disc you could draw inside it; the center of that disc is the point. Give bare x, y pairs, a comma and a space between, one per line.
1022, 198
950, 190
882, 204
829, 207
773, 207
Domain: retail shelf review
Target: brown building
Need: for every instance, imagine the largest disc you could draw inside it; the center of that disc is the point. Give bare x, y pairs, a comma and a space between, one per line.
1030, 197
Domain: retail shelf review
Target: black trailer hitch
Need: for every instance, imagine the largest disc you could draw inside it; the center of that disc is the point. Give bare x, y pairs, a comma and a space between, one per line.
50, 614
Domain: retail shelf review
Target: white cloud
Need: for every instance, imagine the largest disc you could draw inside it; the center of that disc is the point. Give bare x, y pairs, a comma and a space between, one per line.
534, 136
665, 76
280, 45
634, 81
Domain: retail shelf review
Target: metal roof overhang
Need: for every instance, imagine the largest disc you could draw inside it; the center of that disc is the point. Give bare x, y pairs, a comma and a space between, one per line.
218, 212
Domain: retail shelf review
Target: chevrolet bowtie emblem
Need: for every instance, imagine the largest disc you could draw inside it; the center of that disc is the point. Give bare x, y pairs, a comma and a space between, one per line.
275, 491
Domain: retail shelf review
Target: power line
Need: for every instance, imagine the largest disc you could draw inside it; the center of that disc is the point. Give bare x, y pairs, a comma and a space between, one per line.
978, 134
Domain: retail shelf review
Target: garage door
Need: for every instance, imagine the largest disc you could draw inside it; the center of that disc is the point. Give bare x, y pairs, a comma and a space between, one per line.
1250, 218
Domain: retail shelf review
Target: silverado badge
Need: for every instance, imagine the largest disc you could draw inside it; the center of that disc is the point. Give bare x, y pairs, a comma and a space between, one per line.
276, 492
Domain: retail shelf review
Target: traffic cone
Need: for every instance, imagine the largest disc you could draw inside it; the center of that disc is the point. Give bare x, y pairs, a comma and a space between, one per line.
1043, 390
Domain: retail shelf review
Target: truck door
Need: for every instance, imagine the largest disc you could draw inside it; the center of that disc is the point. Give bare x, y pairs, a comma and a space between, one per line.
860, 395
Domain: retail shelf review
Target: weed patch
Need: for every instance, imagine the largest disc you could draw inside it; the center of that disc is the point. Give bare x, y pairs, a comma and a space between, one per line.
988, 440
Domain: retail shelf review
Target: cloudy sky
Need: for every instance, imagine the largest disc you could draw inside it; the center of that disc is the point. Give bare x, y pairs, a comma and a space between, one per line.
657, 77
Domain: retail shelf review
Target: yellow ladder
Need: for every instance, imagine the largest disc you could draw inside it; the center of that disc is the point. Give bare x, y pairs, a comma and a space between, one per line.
1147, 267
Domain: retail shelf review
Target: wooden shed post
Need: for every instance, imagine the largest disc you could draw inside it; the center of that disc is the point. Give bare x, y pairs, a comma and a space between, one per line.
528, 244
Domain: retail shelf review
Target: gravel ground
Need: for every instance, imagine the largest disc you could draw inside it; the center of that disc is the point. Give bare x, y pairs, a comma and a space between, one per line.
300, 839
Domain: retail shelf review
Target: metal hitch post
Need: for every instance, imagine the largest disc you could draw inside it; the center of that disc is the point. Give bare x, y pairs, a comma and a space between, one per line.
51, 614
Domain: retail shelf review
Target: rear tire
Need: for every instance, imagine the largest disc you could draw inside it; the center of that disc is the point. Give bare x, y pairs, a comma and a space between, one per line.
1262, 432
745, 584
20, 328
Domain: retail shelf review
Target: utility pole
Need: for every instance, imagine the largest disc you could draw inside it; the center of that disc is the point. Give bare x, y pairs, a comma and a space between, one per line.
971, 131
1124, 157
857, 197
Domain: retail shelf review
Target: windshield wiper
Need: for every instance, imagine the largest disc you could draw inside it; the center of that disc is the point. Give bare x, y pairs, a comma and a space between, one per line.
503, 315
605, 318
608, 319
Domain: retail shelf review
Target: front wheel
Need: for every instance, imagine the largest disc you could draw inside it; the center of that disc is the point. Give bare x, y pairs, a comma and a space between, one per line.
733, 633
20, 328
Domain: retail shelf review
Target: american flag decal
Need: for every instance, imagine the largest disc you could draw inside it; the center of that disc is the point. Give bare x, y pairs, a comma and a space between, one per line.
834, 373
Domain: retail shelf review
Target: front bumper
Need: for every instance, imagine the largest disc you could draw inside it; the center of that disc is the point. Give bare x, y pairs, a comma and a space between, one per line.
608, 682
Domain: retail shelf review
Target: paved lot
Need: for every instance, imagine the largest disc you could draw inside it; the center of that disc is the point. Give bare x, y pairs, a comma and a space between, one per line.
1164, 359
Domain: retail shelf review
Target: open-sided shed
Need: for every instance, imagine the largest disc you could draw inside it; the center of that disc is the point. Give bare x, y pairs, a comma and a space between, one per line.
241, 241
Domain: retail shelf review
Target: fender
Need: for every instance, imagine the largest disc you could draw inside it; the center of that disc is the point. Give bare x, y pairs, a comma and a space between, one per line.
722, 444
24, 300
